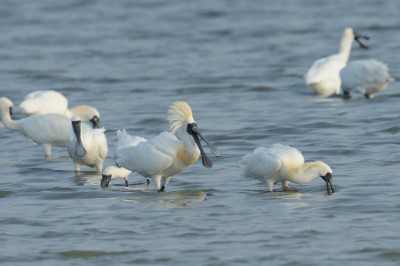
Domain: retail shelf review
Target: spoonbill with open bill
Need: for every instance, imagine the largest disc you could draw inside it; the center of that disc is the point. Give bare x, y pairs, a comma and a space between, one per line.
170, 152
323, 76
284, 164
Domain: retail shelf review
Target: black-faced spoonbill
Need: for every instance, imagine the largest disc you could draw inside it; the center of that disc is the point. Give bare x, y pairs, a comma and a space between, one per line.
114, 172
124, 140
87, 146
170, 152
367, 76
47, 130
323, 76
53, 102
284, 164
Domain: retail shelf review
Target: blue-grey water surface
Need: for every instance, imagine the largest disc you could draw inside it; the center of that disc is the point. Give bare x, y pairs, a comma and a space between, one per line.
239, 64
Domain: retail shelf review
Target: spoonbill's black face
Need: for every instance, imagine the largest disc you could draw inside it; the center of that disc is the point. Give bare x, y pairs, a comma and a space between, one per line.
329, 185
193, 130
10, 110
105, 180
357, 38
95, 121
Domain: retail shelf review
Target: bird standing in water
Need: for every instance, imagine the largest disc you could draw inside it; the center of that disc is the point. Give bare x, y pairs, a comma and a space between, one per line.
169, 153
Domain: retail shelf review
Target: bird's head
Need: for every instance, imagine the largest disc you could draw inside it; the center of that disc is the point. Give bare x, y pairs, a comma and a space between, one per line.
7, 105
182, 122
357, 37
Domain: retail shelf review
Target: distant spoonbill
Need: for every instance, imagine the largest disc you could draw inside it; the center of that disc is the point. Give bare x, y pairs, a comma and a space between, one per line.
87, 146
114, 172
323, 76
47, 130
170, 152
284, 164
368, 76
53, 102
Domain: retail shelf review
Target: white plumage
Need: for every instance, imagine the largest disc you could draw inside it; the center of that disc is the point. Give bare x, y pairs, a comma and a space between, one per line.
53, 102
367, 76
323, 76
47, 130
44, 102
168, 153
87, 146
114, 172
284, 164
124, 140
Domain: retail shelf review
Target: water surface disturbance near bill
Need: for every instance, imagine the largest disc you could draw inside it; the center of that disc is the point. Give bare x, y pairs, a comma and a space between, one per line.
240, 66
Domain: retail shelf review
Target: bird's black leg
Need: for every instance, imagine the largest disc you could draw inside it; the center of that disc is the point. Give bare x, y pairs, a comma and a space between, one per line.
126, 183
346, 94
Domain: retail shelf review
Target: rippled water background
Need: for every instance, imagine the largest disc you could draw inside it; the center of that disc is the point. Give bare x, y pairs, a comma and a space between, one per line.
239, 64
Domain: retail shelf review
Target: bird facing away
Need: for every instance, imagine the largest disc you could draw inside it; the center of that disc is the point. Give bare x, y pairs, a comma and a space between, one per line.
53, 102
114, 172
367, 76
87, 146
284, 164
47, 130
169, 153
323, 76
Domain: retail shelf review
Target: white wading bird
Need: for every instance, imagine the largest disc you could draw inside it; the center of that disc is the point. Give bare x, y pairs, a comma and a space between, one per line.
368, 76
323, 76
170, 152
114, 172
53, 102
123, 140
87, 146
47, 130
284, 164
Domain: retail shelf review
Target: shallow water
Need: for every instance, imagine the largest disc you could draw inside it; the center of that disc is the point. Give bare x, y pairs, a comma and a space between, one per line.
239, 64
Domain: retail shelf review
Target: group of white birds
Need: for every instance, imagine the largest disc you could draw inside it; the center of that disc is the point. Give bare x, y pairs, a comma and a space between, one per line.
333, 75
49, 123
158, 158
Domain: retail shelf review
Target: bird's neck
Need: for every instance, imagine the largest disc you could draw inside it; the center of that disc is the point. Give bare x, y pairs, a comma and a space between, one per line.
188, 141
7, 120
345, 47
189, 152
305, 173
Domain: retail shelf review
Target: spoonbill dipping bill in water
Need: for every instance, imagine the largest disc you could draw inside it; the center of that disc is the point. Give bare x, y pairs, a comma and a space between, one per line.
169, 153
114, 172
87, 146
284, 164
123, 140
367, 76
47, 130
323, 76
53, 102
